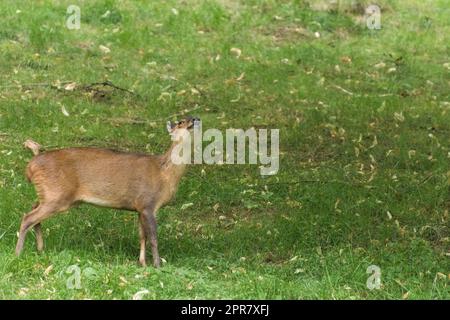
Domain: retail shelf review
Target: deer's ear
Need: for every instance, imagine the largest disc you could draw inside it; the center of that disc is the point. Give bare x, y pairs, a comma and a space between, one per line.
169, 126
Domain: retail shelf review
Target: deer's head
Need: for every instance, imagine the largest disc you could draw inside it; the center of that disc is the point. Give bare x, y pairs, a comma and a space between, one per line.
183, 127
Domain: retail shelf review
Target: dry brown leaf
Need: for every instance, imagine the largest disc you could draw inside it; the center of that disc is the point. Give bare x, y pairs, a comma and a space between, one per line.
70, 86
64, 111
380, 65
346, 59
138, 295
48, 270
104, 49
236, 51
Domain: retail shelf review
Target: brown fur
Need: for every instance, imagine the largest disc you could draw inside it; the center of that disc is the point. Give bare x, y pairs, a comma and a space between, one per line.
108, 178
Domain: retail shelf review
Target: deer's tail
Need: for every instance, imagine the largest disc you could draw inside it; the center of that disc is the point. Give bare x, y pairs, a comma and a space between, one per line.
33, 146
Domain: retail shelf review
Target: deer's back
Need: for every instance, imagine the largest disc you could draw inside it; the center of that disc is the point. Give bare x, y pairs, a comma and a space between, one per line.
99, 176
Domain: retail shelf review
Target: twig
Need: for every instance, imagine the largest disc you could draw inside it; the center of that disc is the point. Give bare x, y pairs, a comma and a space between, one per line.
358, 95
109, 84
386, 95
86, 87
343, 90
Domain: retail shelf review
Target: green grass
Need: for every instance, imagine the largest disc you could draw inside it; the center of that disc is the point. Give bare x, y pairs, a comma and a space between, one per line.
365, 151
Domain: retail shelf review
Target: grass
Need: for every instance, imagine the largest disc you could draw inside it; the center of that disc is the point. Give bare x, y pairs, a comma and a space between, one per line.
364, 118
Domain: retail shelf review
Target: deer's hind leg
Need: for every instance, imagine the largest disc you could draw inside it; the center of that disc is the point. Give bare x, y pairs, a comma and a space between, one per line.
39, 238
38, 232
34, 218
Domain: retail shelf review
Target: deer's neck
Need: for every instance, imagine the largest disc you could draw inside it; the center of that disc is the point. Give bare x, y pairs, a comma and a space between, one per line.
171, 171
174, 170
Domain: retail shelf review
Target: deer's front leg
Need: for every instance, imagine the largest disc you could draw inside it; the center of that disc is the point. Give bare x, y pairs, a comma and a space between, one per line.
143, 231
151, 218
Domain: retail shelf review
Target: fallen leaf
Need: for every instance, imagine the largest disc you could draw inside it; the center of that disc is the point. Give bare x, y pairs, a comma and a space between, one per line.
138, 295
70, 86
236, 51
104, 49
163, 96
399, 116
106, 14
186, 205
23, 291
241, 76
48, 270
64, 111
380, 65
346, 59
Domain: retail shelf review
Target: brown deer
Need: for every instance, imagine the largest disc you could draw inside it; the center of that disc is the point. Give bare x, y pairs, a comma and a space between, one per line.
107, 178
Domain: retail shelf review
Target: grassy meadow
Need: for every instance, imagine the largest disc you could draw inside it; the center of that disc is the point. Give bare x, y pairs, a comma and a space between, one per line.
364, 120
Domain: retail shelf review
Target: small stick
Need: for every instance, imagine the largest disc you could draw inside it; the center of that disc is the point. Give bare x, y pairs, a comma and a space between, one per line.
108, 83
343, 90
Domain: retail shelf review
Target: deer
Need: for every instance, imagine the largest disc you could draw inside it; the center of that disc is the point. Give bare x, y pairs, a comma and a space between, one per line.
107, 178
